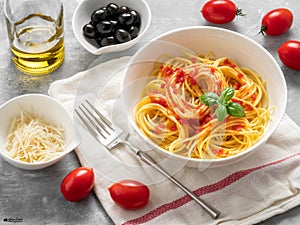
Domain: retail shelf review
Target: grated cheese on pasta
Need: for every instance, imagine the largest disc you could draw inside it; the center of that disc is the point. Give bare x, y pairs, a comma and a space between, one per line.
32, 139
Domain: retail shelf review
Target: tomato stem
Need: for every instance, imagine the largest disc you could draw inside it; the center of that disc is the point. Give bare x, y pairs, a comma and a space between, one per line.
263, 28
239, 12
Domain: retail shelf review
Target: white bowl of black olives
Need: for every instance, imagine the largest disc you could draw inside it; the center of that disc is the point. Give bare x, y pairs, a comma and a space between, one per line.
103, 26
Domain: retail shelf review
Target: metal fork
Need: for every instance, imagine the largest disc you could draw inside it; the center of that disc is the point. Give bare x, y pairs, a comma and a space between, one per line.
110, 135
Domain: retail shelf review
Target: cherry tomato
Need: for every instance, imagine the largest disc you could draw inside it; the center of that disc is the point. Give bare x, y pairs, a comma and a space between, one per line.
220, 11
276, 22
77, 184
129, 194
289, 54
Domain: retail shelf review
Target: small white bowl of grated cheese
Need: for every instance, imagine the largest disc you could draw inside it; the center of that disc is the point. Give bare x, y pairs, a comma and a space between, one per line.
36, 131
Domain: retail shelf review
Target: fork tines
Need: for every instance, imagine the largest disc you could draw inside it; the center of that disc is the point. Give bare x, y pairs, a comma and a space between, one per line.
95, 121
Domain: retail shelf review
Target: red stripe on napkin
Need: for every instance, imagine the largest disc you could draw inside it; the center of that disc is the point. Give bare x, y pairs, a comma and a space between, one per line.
201, 191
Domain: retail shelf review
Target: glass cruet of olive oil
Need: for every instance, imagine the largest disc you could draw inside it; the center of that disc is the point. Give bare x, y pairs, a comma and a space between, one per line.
35, 33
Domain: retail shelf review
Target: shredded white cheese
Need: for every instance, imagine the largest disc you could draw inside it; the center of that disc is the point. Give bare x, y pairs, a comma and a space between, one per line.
32, 139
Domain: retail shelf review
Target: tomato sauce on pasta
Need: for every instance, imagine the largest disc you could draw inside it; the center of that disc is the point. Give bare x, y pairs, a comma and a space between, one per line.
171, 114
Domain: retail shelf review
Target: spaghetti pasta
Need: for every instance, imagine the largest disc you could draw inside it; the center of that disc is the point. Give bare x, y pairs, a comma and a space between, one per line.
171, 114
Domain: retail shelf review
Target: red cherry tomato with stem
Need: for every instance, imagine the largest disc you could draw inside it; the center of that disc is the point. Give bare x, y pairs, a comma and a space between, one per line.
276, 22
129, 194
220, 11
77, 184
289, 54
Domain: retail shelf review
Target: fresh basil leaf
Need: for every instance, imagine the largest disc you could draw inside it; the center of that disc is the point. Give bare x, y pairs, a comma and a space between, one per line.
209, 98
224, 107
221, 112
227, 94
235, 109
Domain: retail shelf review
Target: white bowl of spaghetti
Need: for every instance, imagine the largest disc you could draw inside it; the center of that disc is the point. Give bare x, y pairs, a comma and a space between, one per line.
36, 131
206, 96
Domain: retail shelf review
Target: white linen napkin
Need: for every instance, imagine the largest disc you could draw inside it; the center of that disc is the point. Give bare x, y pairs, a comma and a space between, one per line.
265, 184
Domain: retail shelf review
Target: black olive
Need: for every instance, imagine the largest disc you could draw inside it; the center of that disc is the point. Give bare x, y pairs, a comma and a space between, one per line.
93, 42
89, 31
136, 17
113, 9
106, 41
111, 24
99, 15
104, 27
115, 24
125, 18
122, 35
133, 31
124, 9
